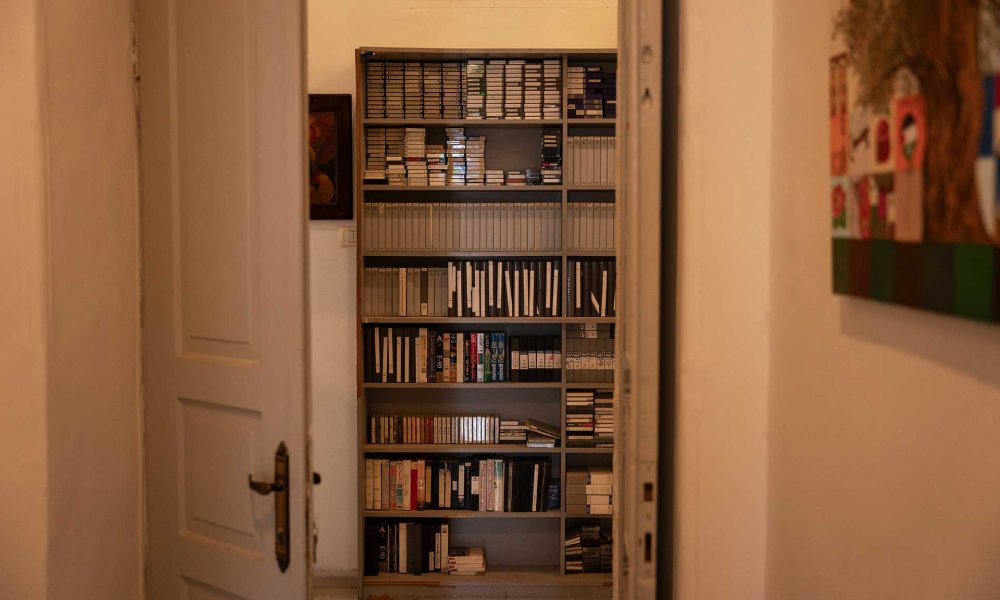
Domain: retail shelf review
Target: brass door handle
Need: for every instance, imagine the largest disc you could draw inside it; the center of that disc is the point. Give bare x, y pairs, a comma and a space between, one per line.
282, 537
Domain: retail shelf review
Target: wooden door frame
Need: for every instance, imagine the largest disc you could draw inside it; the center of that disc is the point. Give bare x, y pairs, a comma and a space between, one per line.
647, 195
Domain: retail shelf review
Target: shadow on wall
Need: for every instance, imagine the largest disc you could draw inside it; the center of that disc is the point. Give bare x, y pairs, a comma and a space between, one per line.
969, 347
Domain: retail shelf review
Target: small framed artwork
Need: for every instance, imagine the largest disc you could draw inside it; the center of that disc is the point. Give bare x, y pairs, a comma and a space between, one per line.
331, 186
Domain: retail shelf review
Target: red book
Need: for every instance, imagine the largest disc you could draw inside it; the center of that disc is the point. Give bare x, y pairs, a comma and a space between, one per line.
473, 355
413, 485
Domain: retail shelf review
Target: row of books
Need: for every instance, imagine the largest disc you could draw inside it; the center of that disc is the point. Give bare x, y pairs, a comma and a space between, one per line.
456, 429
591, 226
473, 89
402, 157
591, 287
480, 484
590, 418
504, 288
588, 548
466, 226
406, 292
590, 353
589, 490
590, 160
422, 355
590, 93
409, 548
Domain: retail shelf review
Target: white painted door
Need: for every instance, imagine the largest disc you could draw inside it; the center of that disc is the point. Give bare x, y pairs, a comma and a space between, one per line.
223, 217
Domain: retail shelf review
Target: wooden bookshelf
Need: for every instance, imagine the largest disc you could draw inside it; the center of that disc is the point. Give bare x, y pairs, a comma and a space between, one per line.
536, 561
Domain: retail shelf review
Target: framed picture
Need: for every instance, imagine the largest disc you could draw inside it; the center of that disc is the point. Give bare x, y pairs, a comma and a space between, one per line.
915, 155
331, 185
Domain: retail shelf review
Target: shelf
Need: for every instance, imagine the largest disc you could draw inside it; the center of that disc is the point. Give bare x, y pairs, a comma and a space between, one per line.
570, 515
387, 122
390, 320
460, 254
584, 121
590, 188
457, 449
382, 187
495, 575
480, 386
572, 450
461, 514
590, 386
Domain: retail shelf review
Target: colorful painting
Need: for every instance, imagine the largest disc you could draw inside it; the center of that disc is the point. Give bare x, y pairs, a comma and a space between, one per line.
331, 187
915, 154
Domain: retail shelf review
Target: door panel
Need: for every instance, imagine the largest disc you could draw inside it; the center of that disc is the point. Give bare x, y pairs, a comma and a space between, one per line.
223, 219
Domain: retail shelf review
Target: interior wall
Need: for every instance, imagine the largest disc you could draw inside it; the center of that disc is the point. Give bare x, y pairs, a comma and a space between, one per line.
95, 548
723, 298
884, 451
71, 484
336, 29
23, 303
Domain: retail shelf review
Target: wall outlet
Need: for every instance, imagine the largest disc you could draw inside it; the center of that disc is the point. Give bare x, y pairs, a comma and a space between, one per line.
348, 236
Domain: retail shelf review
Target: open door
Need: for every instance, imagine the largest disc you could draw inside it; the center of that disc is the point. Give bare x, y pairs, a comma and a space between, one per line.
223, 220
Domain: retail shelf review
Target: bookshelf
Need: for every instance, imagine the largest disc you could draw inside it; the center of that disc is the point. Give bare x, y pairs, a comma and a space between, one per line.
523, 549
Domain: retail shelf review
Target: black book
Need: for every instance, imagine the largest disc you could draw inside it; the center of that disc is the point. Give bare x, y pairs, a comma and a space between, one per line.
514, 373
383, 547
371, 550
414, 548
468, 485
438, 356
429, 357
434, 482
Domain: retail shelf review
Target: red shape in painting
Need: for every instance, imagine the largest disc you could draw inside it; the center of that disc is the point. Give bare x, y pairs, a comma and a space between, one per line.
911, 133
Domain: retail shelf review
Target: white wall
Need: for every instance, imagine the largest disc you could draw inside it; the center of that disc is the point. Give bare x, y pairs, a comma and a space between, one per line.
70, 483
723, 298
884, 453
336, 28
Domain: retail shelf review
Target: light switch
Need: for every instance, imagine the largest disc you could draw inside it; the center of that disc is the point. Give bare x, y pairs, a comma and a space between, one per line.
348, 236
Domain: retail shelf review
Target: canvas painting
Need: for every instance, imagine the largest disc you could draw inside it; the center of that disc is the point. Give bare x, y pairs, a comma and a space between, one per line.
331, 189
914, 149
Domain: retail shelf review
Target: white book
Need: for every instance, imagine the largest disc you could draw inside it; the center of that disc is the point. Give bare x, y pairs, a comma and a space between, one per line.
531, 293
444, 546
369, 484
460, 358
548, 287
604, 291
402, 291
402, 548
510, 302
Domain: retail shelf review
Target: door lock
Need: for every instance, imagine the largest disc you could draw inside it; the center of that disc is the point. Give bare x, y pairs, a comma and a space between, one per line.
282, 539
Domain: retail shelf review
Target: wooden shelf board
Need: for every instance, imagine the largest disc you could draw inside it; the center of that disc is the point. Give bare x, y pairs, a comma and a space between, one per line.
497, 385
461, 514
381, 187
585, 121
390, 320
457, 449
572, 450
462, 254
590, 188
506, 575
388, 122
570, 515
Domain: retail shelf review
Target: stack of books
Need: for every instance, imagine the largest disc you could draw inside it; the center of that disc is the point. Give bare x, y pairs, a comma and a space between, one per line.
588, 490
513, 90
590, 93
437, 165
532, 433
552, 92
588, 549
451, 90
475, 160
474, 89
395, 138
432, 97
375, 155
533, 88
533, 176
551, 156
517, 178
394, 91
375, 90
580, 418
467, 560
604, 419
415, 154
413, 94
494, 88
456, 155
494, 177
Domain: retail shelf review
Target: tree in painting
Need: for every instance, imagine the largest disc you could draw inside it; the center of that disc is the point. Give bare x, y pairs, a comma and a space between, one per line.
937, 42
